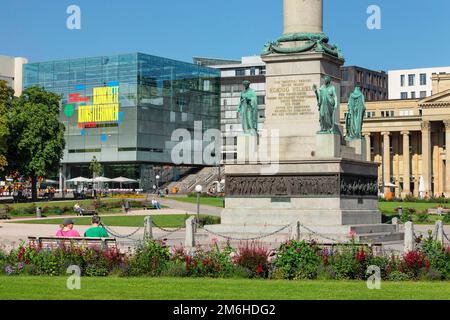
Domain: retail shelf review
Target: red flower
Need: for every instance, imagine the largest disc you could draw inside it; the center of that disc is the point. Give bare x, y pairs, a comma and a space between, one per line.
360, 255
259, 269
427, 264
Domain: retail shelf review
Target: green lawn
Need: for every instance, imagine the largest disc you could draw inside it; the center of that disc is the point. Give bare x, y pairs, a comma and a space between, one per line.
215, 289
389, 207
166, 221
209, 201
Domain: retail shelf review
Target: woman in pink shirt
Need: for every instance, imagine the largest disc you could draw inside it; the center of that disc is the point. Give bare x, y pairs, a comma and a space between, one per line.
67, 230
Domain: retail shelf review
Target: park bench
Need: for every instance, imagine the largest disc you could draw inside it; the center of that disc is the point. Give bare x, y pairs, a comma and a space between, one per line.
147, 205
4, 213
434, 211
55, 242
89, 210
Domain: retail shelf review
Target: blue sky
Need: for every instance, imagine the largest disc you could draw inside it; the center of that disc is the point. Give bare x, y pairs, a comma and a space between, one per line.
414, 32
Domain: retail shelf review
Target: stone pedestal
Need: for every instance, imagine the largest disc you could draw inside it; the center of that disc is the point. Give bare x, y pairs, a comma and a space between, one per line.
359, 148
247, 149
291, 105
328, 146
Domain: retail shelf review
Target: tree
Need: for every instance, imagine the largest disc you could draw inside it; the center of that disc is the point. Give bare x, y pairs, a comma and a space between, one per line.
36, 140
95, 168
6, 100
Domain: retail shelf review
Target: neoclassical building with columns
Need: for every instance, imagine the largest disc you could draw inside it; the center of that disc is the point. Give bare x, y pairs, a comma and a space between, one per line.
408, 139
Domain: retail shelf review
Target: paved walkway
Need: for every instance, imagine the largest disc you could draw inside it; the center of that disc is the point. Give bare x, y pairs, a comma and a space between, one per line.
192, 207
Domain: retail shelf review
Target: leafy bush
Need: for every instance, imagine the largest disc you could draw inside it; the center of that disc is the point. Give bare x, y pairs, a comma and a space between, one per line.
298, 260
422, 217
398, 276
253, 257
150, 258
208, 220
405, 217
446, 218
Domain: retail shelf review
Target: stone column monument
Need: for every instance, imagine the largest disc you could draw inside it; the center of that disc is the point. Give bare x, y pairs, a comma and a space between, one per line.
318, 178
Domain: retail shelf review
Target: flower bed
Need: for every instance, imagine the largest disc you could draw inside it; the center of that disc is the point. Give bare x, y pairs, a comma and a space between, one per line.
293, 260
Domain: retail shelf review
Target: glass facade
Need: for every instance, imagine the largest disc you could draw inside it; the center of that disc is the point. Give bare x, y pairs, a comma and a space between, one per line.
124, 108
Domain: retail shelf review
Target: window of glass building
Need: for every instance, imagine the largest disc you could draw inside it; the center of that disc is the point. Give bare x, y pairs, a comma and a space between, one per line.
404, 95
423, 94
240, 72
261, 100
413, 94
402, 80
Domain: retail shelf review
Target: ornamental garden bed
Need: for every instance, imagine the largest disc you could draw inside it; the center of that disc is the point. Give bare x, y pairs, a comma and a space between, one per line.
292, 261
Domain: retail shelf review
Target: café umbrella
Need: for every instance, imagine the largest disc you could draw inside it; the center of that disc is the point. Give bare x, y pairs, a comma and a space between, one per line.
123, 180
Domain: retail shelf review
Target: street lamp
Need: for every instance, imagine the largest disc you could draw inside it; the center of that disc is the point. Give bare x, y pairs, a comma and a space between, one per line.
198, 189
157, 183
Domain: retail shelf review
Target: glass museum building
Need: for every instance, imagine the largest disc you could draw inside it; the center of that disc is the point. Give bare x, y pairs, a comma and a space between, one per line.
123, 109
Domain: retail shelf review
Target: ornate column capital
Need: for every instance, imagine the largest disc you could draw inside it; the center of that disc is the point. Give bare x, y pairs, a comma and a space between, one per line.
385, 133
447, 124
405, 133
426, 125
366, 134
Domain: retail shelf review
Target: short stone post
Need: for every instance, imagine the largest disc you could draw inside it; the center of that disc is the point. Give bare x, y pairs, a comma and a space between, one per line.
395, 223
439, 227
410, 239
296, 232
190, 232
148, 232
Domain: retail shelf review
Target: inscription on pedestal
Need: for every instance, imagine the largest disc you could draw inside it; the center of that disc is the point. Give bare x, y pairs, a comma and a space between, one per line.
290, 98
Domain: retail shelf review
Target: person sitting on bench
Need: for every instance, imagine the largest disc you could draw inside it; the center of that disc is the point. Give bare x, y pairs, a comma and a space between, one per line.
78, 209
96, 231
67, 230
156, 204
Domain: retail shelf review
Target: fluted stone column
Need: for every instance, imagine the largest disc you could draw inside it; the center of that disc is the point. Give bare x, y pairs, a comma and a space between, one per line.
406, 164
303, 16
368, 147
386, 159
447, 158
426, 156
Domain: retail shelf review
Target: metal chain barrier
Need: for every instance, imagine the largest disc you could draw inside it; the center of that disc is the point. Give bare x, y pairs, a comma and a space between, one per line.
117, 235
243, 239
319, 234
167, 230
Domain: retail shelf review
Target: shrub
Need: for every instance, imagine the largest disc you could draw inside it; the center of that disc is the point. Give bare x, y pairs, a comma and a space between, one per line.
298, 260
253, 257
351, 262
411, 263
208, 220
422, 217
398, 276
405, 217
150, 258
446, 218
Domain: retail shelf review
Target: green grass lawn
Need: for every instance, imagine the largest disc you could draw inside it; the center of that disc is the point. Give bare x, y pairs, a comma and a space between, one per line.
215, 289
165, 221
209, 201
389, 207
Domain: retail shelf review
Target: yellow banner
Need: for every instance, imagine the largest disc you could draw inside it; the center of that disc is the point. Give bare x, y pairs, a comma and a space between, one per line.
105, 106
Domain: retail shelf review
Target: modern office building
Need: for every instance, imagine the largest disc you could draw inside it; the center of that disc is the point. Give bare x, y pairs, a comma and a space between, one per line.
374, 84
11, 70
410, 139
233, 73
413, 83
123, 109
